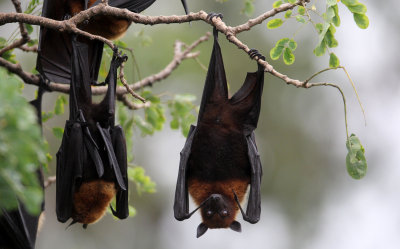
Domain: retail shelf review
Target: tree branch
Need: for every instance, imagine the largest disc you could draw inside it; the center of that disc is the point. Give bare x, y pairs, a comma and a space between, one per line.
24, 33
103, 9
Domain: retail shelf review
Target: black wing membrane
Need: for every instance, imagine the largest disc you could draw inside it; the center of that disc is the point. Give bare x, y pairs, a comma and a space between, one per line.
84, 155
55, 48
181, 202
18, 228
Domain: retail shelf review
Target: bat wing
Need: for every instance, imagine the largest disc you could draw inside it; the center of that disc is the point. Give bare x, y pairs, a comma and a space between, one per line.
247, 100
119, 144
55, 49
253, 210
69, 169
215, 91
105, 134
136, 6
181, 203
18, 229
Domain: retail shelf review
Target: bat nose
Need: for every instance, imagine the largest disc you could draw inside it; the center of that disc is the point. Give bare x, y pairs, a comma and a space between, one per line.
216, 197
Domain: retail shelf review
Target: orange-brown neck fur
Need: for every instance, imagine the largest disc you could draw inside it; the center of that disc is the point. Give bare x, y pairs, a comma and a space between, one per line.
201, 190
92, 200
109, 27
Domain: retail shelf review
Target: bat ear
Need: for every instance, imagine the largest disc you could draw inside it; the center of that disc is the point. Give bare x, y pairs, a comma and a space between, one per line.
235, 226
201, 229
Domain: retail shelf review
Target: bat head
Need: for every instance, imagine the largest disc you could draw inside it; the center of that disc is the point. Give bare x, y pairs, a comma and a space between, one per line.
218, 212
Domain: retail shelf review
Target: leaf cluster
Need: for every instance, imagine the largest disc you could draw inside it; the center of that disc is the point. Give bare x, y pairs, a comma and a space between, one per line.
22, 148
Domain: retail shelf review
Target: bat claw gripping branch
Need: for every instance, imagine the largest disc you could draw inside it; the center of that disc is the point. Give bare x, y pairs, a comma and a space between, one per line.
213, 14
254, 53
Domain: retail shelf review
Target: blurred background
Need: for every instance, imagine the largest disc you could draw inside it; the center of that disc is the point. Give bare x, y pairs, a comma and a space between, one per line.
309, 200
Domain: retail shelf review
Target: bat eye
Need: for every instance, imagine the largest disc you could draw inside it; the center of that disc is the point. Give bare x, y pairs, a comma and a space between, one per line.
224, 213
209, 213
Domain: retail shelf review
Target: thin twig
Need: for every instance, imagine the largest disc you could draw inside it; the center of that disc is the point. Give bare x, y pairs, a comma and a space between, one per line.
121, 77
24, 33
50, 180
131, 105
343, 97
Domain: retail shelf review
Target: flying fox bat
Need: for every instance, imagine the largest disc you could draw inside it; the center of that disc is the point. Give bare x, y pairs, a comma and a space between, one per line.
55, 49
92, 160
18, 228
220, 157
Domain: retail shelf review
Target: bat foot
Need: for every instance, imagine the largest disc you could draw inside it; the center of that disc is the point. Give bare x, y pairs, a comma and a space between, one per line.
67, 16
121, 58
44, 83
212, 15
254, 53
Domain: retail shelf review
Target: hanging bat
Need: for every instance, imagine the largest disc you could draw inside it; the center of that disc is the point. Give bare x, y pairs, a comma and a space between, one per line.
92, 160
220, 158
18, 228
55, 49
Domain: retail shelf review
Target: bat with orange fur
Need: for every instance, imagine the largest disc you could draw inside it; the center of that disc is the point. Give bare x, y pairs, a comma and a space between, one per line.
220, 159
92, 159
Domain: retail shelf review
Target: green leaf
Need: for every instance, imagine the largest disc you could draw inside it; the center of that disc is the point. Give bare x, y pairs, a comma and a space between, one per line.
323, 29
301, 10
356, 162
181, 108
276, 4
288, 56
144, 127
319, 27
274, 23
143, 182
58, 132
320, 49
19, 158
276, 52
292, 1
248, 8
132, 211
282, 42
358, 8
333, 61
292, 45
59, 106
288, 14
361, 20
330, 38
349, 2
331, 2
300, 19
46, 116
33, 42
329, 15
29, 28
336, 18
174, 124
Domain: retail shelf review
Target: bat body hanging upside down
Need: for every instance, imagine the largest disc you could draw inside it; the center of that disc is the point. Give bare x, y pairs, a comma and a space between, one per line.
220, 159
92, 160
